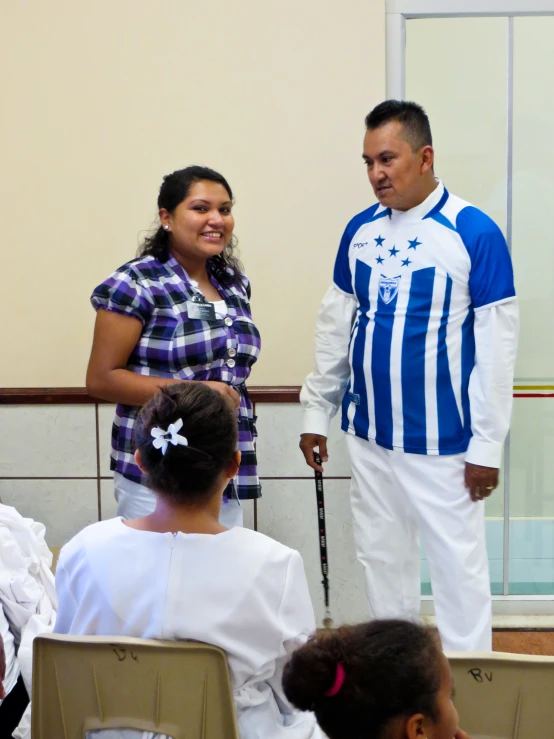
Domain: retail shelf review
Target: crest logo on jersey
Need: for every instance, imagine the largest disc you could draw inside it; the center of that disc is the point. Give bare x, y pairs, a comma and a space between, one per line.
388, 288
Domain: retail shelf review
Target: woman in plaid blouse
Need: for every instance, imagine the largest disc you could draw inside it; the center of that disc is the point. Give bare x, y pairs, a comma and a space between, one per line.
180, 311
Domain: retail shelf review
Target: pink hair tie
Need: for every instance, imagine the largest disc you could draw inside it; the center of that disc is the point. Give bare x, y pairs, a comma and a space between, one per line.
339, 681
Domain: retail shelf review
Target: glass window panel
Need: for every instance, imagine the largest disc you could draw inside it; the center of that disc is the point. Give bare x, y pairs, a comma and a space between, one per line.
532, 497
457, 69
533, 194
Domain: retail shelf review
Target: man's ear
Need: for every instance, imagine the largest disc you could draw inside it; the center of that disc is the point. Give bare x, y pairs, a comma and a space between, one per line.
427, 154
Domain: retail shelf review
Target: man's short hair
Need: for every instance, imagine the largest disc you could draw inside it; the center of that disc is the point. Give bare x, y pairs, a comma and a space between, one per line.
417, 129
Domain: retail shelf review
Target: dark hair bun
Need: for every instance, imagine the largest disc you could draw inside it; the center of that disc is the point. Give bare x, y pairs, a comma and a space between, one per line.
311, 671
187, 473
392, 668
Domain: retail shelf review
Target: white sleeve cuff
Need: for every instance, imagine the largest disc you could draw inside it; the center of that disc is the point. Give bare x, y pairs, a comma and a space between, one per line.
315, 422
484, 453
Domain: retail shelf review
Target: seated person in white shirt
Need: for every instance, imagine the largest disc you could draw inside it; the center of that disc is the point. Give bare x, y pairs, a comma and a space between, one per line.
13, 696
2, 669
179, 574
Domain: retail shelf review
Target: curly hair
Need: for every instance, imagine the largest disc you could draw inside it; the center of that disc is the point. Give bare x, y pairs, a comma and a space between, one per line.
392, 669
225, 267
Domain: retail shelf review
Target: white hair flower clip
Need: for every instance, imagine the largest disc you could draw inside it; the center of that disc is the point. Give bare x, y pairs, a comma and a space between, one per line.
163, 438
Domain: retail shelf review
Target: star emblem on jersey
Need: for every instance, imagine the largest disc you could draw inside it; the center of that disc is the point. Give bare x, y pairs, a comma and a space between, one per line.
414, 243
388, 288
380, 260
406, 262
394, 251
379, 240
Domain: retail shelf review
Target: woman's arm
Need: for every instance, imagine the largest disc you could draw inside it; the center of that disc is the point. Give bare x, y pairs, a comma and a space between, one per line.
115, 337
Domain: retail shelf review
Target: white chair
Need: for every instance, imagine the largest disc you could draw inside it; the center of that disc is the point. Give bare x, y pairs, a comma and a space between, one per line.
181, 689
504, 696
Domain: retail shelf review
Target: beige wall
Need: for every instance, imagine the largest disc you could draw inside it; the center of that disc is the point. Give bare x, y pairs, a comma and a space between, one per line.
466, 103
101, 99
533, 192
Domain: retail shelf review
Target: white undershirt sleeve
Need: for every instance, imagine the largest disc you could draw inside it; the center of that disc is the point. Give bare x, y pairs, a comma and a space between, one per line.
491, 381
324, 387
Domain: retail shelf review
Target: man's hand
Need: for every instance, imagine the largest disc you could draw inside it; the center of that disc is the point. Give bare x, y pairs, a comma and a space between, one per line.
480, 481
2, 669
308, 442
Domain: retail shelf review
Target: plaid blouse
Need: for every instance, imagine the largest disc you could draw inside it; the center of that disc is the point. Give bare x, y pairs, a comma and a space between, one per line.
174, 345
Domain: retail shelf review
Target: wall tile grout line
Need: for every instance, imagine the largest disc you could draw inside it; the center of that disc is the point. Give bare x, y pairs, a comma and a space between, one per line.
51, 477
100, 477
325, 477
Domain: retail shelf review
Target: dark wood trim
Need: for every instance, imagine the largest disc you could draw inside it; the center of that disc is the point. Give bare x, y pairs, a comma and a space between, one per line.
275, 394
79, 395
521, 629
45, 395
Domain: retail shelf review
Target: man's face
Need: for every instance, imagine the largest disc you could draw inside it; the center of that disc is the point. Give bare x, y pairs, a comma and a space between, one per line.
394, 169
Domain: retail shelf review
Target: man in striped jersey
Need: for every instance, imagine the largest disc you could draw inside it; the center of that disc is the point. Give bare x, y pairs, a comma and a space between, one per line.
417, 337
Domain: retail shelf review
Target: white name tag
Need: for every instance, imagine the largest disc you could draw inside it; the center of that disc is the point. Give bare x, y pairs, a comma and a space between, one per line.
201, 311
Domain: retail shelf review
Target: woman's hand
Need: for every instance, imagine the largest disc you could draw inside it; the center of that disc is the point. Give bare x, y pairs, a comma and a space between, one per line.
226, 390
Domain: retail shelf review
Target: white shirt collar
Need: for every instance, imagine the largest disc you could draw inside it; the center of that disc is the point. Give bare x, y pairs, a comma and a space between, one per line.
421, 210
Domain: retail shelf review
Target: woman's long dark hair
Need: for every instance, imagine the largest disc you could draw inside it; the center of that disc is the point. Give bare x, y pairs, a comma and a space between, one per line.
225, 267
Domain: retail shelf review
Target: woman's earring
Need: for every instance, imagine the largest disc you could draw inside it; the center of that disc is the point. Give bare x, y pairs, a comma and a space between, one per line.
166, 228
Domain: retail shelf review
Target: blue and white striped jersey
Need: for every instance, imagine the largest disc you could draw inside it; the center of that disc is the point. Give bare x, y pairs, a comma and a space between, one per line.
418, 277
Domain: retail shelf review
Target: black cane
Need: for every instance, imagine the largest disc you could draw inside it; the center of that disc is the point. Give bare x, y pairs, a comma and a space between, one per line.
327, 621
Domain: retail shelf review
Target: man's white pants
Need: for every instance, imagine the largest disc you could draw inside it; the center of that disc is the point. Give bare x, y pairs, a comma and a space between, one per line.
395, 494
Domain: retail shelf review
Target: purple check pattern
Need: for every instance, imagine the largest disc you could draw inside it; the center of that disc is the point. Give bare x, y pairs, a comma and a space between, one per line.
174, 345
